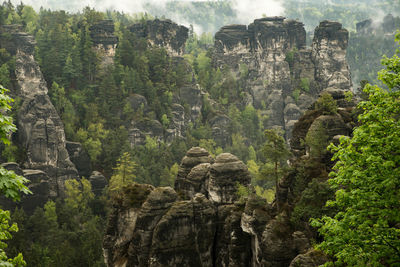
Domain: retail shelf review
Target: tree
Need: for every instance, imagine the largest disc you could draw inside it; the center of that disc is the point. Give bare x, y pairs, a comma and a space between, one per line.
124, 173
10, 184
365, 231
276, 152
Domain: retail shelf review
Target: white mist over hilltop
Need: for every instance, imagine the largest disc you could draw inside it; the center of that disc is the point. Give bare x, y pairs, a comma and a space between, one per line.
246, 10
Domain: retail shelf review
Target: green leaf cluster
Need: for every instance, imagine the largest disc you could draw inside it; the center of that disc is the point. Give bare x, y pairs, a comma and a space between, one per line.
366, 179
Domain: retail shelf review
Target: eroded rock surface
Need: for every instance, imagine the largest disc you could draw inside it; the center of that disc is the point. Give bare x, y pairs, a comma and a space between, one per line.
284, 76
185, 227
40, 129
104, 40
204, 222
164, 33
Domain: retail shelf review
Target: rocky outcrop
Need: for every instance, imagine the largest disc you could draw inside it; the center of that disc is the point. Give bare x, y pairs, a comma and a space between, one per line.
329, 56
80, 158
185, 227
139, 130
39, 184
284, 76
98, 182
104, 40
204, 222
40, 129
163, 33
311, 258
225, 175
193, 173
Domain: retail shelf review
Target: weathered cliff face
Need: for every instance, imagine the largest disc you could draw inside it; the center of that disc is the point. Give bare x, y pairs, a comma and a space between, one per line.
284, 76
171, 37
40, 129
163, 33
104, 40
197, 224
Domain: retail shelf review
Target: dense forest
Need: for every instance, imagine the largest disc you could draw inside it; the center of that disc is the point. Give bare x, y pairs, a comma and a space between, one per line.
100, 103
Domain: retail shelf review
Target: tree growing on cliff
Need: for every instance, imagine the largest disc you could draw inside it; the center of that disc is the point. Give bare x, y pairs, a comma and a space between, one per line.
365, 231
124, 173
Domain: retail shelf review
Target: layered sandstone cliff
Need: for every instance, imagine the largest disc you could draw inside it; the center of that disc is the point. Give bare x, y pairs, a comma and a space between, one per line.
284, 76
40, 129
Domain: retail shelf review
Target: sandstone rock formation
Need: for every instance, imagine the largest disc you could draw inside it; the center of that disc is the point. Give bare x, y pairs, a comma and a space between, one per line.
39, 185
104, 40
98, 182
204, 222
183, 227
284, 76
164, 33
40, 129
171, 37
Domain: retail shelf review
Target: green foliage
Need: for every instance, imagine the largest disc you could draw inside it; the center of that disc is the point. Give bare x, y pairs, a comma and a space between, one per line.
242, 192
317, 139
244, 71
305, 84
124, 174
275, 152
267, 194
349, 96
92, 139
169, 175
289, 58
210, 146
296, 94
11, 185
311, 203
5, 234
6, 124
326, 104
365, 177
78, 194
